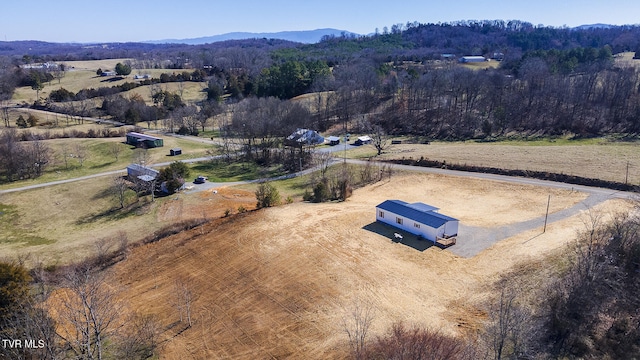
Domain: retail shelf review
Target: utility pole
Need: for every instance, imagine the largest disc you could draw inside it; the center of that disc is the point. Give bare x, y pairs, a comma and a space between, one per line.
546, 216
626, 177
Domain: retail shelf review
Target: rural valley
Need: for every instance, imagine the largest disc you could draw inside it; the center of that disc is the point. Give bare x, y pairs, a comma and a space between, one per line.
464, 190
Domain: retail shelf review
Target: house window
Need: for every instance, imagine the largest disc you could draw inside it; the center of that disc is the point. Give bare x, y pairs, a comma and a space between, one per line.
399, 220
381, 214
416, 225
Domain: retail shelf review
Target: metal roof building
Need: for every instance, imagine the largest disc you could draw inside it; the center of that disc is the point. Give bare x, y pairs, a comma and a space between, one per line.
304, 137
137, 139
137, 171
418, 219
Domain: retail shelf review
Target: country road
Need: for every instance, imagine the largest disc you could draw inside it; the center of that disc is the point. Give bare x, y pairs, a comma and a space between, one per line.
470, 241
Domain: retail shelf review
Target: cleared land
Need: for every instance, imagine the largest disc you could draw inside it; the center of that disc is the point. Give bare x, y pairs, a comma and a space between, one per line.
82, 75
596, 158
278, 282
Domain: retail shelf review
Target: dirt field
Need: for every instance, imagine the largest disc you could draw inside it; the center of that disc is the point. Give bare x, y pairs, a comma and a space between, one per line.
277, 283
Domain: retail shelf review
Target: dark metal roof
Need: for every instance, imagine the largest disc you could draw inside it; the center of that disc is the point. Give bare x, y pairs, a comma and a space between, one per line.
409, 211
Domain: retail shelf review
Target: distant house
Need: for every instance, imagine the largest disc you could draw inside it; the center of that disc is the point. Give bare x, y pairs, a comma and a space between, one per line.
142, 140
472, 59
304, 137
333, 140
175, 151
137, 173
362, 140
108, 73
418, 219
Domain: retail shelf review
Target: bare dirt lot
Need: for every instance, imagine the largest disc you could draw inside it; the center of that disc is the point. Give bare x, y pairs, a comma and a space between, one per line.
277, 283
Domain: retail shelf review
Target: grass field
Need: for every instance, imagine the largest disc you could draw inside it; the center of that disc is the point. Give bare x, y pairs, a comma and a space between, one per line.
99, 157
592, 158
82, 75
60, 224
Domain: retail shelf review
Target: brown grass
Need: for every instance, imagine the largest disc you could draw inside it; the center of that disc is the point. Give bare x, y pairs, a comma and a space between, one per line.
82, 75
607, 161
276, 283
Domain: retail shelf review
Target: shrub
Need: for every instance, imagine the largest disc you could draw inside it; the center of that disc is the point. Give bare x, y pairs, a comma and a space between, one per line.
21, 122
307, 196
417, 343
320, 192
267, 195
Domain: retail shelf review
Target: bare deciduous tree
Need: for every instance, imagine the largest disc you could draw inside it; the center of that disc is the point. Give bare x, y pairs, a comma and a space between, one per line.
379, 138
140, 339
120, 187
184, 298
123, 243
356, 323
141, 157
4, 111
510, 326
81, 153
88, 313
115, 149
322, 160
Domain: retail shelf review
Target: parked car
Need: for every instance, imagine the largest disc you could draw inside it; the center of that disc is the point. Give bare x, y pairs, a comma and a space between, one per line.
200, 180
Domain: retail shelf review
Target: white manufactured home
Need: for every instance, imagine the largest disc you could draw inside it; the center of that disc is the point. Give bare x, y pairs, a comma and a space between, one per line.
418, 219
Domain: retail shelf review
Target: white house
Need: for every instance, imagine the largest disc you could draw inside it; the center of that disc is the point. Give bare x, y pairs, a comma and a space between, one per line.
418, 219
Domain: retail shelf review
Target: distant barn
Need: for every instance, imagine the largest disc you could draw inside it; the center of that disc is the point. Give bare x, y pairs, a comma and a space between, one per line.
472, 59
418, 219
142, 140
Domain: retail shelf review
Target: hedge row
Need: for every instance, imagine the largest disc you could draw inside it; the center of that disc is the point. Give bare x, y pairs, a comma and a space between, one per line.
541, 175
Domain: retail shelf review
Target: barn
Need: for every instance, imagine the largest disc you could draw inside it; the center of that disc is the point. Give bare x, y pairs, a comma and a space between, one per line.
175, 152
418, 219
142, 140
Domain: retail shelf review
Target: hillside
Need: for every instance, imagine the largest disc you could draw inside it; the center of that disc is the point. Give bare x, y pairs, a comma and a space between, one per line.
279, 283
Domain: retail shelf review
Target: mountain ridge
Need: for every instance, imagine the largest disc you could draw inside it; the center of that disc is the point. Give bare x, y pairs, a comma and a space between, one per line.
301, 36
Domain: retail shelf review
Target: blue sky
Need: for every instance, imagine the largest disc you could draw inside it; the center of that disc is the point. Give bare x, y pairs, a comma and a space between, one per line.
139, 20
